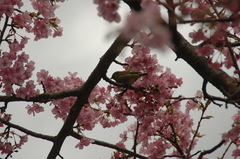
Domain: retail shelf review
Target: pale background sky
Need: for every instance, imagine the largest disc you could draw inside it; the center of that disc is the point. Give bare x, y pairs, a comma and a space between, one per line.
83, 42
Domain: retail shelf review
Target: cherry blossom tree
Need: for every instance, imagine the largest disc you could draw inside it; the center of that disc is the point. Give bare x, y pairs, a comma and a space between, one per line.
162, 124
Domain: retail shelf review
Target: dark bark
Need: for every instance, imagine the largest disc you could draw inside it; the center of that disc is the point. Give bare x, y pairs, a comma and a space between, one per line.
183, 49
85, 90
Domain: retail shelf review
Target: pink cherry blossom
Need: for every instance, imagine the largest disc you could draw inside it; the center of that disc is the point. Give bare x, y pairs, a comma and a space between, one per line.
27, 91
185, 10
192, 104
7, 7
206, 50
233, 135
161, 124
23, 20
14, 46
84, 142
6, 148
236, 153
9, 56
108, 9
216, 65
201, 12
23, 139
149, 18
146, 3
42, 76
155, 149
45, 8
5, 62
41, 29
35, 108
58, 32
23, 58
228, 63
123, 136
87, 118
197, 36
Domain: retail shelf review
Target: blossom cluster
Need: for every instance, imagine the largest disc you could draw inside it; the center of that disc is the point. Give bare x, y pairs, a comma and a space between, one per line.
146, 26
219, 30
84, 142
6, 145
163, 129
108, 9
15, 67
40, 23
7, 7
233, 135
151, 107
89, 114
54, 84
15, 70
158, 117
160, 124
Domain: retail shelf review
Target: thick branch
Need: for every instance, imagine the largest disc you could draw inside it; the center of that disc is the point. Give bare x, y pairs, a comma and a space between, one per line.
217, 77
26, 131
85, 90
183, 49
44, 97
208, 20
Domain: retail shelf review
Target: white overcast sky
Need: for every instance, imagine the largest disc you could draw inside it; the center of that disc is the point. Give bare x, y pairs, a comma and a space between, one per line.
78, 50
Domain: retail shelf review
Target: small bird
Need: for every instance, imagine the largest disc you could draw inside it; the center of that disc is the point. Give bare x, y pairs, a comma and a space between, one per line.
126, 77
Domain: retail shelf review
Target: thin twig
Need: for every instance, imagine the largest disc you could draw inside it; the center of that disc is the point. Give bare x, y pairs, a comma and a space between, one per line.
232, 55
228, 100
120, 63
174, 141
198, 127
4, 29
211, 150
135, 138
227, 149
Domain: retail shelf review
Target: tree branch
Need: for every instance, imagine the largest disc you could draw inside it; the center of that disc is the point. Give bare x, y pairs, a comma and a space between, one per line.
85, 90
26, 131
112, 146
217, 77
44, 97
230, 100
136, 137
208, 20
204, 108
235, 64
211, 150
4, 28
